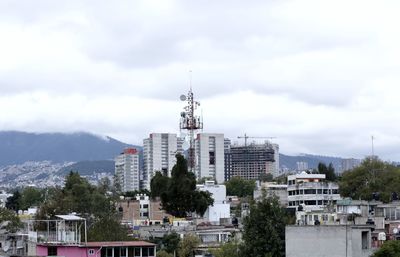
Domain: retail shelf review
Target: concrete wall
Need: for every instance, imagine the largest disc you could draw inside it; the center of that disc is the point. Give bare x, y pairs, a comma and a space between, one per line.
327, 241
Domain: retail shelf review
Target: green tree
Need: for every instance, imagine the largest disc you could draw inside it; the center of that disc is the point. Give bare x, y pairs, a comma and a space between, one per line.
240, 187
373, 176
13, 201
108, 228
187, 245
329, 171
90, 202
229, 249
170, 242
9, 221
159, 184
163, 253
181, 196
264, 229
389, 249
30, 196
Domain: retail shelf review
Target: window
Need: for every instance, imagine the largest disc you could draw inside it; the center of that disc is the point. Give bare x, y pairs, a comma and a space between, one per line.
91, 251
212, 158
145, 252
52, 251
145, 206
137, 251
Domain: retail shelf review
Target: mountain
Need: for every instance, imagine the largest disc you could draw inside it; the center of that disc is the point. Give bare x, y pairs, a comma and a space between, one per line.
19, 147
290, 162
89, 167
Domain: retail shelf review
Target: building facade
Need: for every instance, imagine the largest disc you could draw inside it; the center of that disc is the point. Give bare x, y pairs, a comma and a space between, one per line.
209, 160
250, 161
159, 152
220, 209
127, 170
311, 191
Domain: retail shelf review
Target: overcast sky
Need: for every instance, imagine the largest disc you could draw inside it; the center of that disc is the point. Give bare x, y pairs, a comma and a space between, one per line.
321, 76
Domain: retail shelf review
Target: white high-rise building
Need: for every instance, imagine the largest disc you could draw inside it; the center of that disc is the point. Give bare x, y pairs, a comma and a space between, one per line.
276, 172
127, 170
209, 152
159, 152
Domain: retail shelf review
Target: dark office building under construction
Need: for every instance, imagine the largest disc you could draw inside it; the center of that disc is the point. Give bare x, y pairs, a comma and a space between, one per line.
249, 162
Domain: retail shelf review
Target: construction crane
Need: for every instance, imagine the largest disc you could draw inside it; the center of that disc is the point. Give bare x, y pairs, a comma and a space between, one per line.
246, 137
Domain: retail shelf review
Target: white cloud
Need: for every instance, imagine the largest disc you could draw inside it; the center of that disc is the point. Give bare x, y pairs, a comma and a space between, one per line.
320, 75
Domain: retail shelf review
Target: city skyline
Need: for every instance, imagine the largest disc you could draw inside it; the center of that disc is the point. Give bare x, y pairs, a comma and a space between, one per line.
313, 74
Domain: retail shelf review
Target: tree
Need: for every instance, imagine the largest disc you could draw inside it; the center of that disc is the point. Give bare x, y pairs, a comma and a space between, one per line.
264, 229
170, 242
163, 253
30, 196
372, 178
13, 201
108, 228
159, 184
229, 249
9, 221
187, 245
90, 202
181, 196
389, 249
329, 171
240, 187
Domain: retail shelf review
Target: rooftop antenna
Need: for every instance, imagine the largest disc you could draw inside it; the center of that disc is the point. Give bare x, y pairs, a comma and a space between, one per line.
190, 121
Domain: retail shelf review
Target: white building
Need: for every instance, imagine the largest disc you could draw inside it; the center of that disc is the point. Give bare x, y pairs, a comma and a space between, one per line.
209, 152
302, 166
127, 169
311, 191
220, 209
159, 152
276, 172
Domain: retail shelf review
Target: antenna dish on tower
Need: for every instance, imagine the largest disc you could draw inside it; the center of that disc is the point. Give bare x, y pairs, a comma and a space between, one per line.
182, 97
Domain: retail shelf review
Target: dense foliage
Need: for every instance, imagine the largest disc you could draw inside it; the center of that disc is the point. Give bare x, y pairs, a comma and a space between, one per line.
240, 187
329, 171
89, 202
179, 196
229, 249
264, 229
9, 221
372, 179
187, 245
389, 249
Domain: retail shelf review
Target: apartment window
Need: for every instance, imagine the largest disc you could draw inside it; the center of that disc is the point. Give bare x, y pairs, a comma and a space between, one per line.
212, 158
52, 251
145, 206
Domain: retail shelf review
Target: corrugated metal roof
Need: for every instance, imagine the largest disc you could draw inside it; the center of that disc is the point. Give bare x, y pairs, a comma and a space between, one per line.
69, 217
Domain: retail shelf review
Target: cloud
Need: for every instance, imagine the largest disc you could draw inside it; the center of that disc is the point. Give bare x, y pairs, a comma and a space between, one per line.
322, 76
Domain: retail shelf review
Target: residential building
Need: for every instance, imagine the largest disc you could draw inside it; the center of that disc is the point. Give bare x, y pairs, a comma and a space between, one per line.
142, 211
350, 163
159, 152
127, 169
311, 191
66, 236
272, 189
250, 161
332, 241
302, 166
220, 209
209, 160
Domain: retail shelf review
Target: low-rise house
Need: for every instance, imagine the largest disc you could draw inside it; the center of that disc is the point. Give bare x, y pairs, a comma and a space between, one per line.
220, 209
272, 189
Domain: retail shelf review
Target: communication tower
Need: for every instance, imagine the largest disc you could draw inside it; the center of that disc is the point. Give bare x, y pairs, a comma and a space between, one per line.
191, 123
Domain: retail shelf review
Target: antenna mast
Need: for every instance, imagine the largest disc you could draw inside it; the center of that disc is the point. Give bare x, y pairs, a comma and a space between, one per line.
191, 122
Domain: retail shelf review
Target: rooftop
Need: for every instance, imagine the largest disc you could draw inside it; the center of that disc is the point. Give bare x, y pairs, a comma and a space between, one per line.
118, 243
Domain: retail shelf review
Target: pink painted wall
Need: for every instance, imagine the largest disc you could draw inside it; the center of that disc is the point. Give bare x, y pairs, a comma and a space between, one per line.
68, 251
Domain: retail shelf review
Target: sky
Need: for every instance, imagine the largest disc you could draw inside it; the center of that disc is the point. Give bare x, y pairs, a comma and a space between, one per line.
320, 76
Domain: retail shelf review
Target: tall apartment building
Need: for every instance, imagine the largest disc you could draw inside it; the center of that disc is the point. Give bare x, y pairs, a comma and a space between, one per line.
127, 169
159, 152
209, 152
349, 164
250, 161
302, 166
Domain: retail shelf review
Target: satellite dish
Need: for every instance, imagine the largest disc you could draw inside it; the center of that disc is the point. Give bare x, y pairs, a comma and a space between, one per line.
182, 97
185, 145
395, 231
